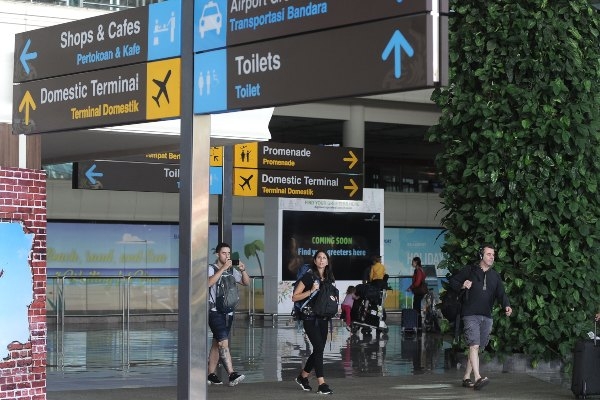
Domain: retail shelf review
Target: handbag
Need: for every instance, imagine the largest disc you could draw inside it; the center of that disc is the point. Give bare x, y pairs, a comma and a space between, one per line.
423, 289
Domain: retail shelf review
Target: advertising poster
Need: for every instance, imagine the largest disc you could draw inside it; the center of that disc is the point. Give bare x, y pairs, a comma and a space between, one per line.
127, 249
16, 285
350, 239
402, 244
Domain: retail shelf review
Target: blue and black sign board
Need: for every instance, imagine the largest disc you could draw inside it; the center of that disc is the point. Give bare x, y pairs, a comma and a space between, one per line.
391, 55
116, 39
224, 23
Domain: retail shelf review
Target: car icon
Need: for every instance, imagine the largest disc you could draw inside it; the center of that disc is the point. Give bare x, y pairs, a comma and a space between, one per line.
211, 19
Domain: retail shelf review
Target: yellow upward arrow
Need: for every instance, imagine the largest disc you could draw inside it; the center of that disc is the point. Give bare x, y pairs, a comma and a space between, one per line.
353, 187
25, 104
352, 159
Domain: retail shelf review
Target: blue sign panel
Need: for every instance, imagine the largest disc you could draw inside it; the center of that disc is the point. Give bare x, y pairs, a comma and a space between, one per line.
215, 180
210, 77
164, 31
210, 24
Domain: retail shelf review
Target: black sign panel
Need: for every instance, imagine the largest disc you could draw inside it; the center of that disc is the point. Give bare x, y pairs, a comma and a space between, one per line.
125, 37
116, 175
79, 101
312, 185
381, 57
296, 157
108, 97
258, 20
82, 45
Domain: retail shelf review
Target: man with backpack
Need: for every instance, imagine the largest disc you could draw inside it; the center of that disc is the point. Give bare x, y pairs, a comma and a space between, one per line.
223, 276
483, 287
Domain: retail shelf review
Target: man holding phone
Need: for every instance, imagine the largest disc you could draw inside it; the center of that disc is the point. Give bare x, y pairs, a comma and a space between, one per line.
219, 322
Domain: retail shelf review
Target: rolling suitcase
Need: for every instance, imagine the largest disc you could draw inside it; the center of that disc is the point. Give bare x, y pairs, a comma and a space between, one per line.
410, 319
586, 367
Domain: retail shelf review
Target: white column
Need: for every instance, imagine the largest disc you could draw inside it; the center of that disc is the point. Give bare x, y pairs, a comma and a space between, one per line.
22, 151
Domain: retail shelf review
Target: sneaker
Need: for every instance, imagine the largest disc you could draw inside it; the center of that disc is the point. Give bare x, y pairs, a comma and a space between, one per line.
324, 389
235, 378
348, 328
213, 379
303, 382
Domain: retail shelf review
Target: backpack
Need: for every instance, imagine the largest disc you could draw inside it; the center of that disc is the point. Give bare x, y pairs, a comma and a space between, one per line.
227, 296
302, 308
327, 300
451, 303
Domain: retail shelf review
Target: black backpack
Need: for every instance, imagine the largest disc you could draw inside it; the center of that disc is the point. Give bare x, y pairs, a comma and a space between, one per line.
227, 295
302, 308
327, 300
451, 303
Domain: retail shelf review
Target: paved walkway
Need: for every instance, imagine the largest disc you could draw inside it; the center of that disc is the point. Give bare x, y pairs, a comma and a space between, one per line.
509, 386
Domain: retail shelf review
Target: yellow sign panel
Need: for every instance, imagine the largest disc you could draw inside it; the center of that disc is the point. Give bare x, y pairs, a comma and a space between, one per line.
245, 182
245, 155
216, 156
163, 89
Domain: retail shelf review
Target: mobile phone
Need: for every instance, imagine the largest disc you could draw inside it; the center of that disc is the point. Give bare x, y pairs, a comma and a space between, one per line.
235, 262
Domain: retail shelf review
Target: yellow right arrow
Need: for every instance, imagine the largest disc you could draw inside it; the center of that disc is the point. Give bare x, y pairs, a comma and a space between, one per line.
352, 159
353, 187
25, 104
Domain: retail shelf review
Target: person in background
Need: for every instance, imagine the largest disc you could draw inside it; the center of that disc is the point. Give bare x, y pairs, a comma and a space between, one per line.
347, 305
417, 280
377, 276
483, 288
220, 323
314, 327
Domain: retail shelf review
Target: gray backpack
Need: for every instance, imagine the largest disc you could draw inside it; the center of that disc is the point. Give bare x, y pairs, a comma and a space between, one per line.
227, 296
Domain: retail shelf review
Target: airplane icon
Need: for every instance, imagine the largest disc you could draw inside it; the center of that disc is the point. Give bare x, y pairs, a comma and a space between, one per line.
246, 182
162, 88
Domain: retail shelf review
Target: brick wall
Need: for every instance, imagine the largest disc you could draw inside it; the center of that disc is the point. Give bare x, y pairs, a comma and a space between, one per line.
23, 200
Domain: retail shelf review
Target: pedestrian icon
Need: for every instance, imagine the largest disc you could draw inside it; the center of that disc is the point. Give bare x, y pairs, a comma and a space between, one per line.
166, 29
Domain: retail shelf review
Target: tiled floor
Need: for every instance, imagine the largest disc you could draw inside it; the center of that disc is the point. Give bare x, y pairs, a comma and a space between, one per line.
96, 356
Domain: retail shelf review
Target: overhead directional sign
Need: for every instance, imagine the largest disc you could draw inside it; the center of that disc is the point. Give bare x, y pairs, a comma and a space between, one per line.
380, 57
114, 96
129, 176
314, 185
298, 157
221, 23
126, 37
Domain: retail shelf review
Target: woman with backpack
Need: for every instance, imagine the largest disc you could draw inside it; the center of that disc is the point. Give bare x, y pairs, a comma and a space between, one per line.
315, 327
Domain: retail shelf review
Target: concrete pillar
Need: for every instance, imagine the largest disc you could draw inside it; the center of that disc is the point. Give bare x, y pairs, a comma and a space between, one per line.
354, 128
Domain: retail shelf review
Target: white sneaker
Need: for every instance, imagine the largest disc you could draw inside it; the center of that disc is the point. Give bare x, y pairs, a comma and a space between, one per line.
591, 335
